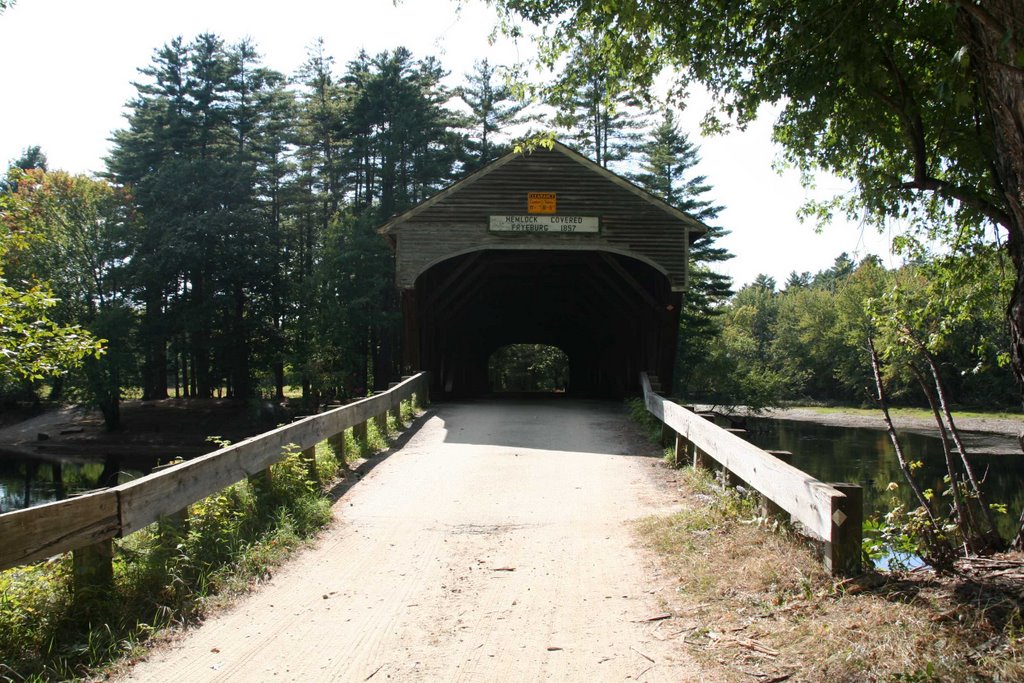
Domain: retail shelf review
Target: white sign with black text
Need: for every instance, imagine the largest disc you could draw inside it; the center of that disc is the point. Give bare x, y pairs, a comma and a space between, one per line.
545, 223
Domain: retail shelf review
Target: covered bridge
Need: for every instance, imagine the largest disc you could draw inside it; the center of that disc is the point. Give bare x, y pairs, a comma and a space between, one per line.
542, 247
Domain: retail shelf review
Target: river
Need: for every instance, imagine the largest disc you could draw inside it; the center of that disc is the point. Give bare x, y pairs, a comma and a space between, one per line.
866, 456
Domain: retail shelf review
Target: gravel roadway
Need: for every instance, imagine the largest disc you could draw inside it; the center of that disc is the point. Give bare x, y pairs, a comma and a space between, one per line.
496, 545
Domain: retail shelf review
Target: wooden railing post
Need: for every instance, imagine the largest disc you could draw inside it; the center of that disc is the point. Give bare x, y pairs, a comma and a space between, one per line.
843, 550
172, 527
396, 408
337, 446
359, 432
93, 569
680, 455
701, 461
382, 424
261, 481
666, 435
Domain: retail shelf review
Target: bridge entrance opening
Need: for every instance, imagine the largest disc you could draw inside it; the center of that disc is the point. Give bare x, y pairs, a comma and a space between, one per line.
528, 368
612, 316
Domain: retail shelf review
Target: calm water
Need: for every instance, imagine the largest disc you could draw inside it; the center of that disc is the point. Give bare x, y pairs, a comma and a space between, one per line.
866, 457
831, 454
24, 483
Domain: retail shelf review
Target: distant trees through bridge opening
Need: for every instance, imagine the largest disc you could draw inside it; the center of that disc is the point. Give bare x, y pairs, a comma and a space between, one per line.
528, 368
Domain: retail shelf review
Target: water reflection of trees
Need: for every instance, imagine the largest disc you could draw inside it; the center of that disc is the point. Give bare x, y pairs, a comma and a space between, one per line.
25, 482
866, 457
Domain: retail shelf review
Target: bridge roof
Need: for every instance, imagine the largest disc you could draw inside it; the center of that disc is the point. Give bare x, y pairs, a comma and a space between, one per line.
627, 219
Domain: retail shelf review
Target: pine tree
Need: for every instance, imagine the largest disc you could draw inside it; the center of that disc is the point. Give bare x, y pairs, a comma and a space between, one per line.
493, 111
157, 132
194, 155
600, 117
668, 158
603, 125
403, 148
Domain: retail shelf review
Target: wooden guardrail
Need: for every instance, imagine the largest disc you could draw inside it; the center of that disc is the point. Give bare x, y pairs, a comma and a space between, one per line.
831, 513
88, 523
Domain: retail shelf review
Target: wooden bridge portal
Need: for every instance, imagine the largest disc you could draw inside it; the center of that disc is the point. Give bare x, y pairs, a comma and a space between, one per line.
542, 247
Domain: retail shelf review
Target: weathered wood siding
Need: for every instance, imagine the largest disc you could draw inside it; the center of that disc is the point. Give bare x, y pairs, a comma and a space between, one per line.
631, 224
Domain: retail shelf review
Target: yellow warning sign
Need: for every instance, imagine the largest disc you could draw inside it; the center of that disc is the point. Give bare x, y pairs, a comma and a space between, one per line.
541, 202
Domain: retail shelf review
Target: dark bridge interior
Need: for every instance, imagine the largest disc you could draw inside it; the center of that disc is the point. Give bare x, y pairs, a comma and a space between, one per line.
613, 315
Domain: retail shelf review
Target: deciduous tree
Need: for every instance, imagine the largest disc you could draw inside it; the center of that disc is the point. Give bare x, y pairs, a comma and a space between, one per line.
33, 344
919, 104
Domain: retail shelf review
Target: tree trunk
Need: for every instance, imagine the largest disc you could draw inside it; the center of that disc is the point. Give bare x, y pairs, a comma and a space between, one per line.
279, 381
993, 31
154, 375
240, 379
201, 338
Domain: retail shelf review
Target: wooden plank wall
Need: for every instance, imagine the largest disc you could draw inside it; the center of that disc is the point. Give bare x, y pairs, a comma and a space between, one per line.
41, 532
459, 223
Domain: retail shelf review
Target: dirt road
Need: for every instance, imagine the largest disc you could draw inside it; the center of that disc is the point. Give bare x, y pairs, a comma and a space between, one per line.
495, 546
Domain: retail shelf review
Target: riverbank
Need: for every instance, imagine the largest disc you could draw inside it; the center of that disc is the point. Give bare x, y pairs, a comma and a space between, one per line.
910, 420
990, 435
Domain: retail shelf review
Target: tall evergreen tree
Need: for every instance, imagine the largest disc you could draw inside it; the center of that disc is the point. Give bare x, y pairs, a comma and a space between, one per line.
668, 159
493, 110
405, 147
141, 159
604, 121
193, 157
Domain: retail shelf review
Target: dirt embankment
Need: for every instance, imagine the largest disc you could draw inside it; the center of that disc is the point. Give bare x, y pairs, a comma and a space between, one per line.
987, 425
981, 435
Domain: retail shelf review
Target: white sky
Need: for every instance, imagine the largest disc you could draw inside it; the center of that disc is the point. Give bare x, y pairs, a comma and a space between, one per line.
68, 67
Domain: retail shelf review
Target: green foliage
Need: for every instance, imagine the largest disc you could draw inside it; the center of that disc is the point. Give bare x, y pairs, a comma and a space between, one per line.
253, 261
34, 343
667, 161
639, 413
163, 575
808, 342
409, 409
33, 346
739, 369
493, 109
376, 438
871, 92
952, 303
603, 123
201, 155
328, 463
528, 367
898, 539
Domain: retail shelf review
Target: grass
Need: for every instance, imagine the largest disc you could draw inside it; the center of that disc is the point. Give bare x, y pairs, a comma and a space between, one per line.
752, 601
755, 602
908, 412
169, 575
